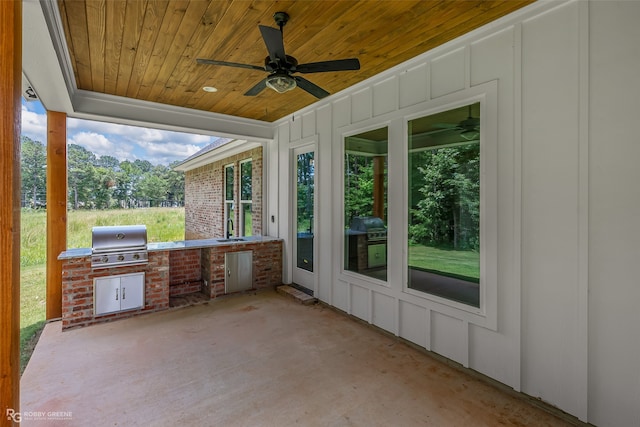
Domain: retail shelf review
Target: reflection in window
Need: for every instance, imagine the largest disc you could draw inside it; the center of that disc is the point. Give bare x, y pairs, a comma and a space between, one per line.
365, 203
246, 221
229, 211
305, 171
444, 204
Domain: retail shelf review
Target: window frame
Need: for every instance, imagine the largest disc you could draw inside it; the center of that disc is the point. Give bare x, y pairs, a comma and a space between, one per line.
228, 201
242, 202
409, 173
486, 314
341, 134
347, 283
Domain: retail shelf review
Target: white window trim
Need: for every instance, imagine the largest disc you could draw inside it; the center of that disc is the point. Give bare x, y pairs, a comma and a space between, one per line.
486, 314
343, 274
396, 285
224, 195
243, 201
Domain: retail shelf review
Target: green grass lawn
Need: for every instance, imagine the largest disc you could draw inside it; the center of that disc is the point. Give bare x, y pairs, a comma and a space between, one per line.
163, 225
451, 262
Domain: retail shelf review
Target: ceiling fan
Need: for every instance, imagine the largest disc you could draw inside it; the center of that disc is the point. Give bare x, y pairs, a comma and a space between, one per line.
281, 67
468, 128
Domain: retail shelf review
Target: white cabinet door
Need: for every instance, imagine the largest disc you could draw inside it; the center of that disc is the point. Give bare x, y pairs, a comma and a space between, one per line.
107, 295
132, 291
118, 293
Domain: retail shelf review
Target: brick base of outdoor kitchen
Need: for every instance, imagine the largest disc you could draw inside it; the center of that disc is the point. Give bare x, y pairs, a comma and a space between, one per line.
184, 275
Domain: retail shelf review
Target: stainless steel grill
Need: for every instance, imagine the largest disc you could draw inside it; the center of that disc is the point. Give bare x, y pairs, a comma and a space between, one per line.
373, 226
115, 246
369, 236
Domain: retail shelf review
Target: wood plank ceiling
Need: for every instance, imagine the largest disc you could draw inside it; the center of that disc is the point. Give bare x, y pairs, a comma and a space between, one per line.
146, 49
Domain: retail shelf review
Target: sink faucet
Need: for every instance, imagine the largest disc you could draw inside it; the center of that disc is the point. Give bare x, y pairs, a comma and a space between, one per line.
229, 227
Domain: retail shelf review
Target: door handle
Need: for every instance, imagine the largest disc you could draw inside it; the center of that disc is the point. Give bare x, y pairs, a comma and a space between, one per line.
116, 294
123, 293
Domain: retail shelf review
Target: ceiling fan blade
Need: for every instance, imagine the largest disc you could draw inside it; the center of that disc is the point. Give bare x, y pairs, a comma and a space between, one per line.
228, 64
273, 40
313, 89
325, 66
446, 126
262, 84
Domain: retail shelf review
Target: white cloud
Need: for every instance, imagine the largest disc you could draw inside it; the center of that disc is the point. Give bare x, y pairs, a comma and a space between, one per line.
100, 145
34, 125
120, 141
170, 148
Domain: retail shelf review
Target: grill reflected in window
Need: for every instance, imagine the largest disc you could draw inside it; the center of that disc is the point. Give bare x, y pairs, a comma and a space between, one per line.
365, 203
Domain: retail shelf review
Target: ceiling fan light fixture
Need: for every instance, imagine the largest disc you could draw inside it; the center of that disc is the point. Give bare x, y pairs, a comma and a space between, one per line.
470, 134
281, 82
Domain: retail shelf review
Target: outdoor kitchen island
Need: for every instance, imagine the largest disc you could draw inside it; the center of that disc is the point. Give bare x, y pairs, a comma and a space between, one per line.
181, 270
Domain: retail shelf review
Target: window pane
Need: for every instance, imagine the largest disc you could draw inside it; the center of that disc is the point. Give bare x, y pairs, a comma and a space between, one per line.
245, 180
365, 203
246, 220
305, 171
228, 183
444, 204
229, 216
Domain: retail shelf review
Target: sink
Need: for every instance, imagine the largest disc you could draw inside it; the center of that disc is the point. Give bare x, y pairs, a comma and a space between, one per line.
235, 239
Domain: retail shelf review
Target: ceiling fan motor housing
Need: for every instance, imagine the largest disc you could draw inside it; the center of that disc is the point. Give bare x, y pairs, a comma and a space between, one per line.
281, 18
289, 65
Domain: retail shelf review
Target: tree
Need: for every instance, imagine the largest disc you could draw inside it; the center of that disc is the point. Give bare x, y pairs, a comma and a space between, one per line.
175, 181
151, 187
81, 175
445, 202
143, 165
305, 190
33, 170
104, 181
108, 162
358, 192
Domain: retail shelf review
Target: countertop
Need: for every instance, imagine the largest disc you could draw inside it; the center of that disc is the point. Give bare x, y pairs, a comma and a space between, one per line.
178, 245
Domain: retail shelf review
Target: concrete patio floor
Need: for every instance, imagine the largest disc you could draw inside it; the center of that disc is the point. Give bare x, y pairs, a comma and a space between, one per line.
253, 360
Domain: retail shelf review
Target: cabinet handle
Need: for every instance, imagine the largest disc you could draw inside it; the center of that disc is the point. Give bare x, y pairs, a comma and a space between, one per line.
229, 273
116, 294
123, 293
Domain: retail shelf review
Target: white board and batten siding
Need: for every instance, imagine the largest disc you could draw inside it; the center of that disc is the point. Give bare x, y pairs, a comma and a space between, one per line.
563, 81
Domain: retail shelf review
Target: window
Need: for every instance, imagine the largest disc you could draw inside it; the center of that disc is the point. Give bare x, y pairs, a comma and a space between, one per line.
365, 203
246, 224
304, 202
229, 209
444, 205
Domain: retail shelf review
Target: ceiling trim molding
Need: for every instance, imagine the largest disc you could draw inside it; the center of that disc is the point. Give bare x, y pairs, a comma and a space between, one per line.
98, 106
224, 151
40, 61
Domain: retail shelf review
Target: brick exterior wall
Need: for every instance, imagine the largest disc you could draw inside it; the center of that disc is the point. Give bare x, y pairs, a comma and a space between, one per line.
184, 272
77, 289
204, 196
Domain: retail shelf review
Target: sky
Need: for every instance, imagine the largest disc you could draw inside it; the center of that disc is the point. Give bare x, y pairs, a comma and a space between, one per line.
123, 142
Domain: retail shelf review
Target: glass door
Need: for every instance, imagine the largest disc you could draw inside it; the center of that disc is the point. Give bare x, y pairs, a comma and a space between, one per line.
304, 217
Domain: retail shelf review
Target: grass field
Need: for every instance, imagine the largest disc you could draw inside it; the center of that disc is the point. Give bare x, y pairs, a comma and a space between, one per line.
456, 263
163, 224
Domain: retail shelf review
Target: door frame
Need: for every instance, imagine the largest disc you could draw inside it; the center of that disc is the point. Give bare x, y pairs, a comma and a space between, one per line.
299, 276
